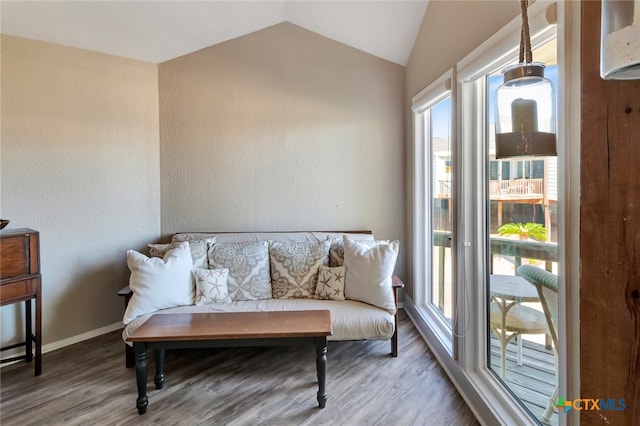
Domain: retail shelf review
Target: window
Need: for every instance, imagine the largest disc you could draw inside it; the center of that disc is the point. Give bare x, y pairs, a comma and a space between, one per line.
434, 208
510, 213
486, 194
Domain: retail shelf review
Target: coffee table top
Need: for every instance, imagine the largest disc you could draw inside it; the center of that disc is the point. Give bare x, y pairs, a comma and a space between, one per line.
233, 325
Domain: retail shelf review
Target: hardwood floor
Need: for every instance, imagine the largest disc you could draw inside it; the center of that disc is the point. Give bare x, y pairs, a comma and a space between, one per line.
87, 384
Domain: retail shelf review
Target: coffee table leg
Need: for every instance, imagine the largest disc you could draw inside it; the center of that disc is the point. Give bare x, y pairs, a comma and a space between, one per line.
321, 366
140, 351
159, 379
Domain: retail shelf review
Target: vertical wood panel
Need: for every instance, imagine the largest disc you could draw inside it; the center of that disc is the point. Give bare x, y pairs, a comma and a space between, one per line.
610, 234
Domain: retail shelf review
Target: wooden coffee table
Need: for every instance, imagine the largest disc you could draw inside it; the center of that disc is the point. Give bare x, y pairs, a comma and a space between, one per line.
228, 329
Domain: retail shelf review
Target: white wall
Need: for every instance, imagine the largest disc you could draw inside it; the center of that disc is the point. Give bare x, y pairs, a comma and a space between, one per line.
282, 129
79, 163
278, 130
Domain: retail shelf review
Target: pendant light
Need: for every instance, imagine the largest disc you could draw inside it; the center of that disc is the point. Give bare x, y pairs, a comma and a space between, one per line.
525, 105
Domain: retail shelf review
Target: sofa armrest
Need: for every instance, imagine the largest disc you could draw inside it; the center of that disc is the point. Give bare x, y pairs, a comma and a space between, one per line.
126, 292
129, 360
396, 282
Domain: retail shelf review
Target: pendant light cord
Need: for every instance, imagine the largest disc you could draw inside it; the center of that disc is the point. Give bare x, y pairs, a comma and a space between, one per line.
525, 39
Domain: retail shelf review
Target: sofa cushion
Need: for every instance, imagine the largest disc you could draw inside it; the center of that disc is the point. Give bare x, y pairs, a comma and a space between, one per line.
350, 319
159, 283
331, 283
248, 264
211, 286
198, 250
370, 266
294, 267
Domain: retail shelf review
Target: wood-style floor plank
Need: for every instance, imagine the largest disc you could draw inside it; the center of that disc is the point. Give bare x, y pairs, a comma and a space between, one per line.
87, 384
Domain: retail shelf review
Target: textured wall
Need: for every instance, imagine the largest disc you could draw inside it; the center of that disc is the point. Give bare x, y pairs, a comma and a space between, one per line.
282, 129
79, 146
450, 30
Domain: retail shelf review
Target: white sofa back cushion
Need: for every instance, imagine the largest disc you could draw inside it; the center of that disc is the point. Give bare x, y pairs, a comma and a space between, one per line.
159, 283
370, 266
285, 237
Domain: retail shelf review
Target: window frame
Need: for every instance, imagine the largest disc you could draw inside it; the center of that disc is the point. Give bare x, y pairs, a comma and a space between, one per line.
485, 396
496, 53
431, 96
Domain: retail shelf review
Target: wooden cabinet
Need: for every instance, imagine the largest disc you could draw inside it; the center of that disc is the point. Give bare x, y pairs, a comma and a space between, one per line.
20, 281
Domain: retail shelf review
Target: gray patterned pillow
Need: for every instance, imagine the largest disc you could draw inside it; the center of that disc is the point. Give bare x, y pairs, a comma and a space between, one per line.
198, 250
336, 252
248, 265
294, 268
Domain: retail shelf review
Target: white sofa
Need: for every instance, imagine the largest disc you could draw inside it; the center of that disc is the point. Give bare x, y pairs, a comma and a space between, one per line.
351, 319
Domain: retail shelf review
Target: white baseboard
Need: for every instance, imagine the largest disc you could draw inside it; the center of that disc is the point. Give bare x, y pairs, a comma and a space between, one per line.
71, 340
81, 337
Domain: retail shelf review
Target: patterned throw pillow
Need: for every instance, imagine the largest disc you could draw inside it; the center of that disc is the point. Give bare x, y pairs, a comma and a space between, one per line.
331, 283
198, 250
336, 252
248, 265
211, 286
294, 267
158, 250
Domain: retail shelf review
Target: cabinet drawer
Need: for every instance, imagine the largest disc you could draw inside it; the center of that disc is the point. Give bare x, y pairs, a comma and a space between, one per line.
19, 290
14, 256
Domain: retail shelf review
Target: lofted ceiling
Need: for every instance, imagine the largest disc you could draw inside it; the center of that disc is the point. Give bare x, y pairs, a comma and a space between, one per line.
156, 31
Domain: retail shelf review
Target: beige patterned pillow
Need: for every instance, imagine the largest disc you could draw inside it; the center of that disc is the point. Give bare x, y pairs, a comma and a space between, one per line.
248, 265
331, 283
336, 252
211, 286
158, 250
198, 250
294, 267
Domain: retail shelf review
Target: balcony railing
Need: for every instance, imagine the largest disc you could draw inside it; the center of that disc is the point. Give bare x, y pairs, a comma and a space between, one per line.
502, 188
518, 249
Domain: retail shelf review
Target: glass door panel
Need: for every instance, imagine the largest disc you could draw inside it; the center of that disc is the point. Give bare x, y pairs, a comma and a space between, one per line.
441, 168
522, 227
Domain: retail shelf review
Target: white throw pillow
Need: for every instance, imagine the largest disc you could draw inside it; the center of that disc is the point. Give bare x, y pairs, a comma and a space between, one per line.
159, 283
370, 266
331, 283
211, 286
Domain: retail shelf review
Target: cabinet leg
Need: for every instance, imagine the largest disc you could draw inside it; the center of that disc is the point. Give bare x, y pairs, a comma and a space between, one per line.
28, 331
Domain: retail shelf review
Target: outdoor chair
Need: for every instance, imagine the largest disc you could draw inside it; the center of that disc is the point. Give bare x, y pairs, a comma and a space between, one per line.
547, 285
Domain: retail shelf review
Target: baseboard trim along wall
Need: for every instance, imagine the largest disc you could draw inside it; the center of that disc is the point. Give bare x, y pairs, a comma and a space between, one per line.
70, 340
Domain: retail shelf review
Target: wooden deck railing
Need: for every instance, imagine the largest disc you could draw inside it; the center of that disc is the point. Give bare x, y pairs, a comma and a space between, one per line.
547, 252
508, 187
